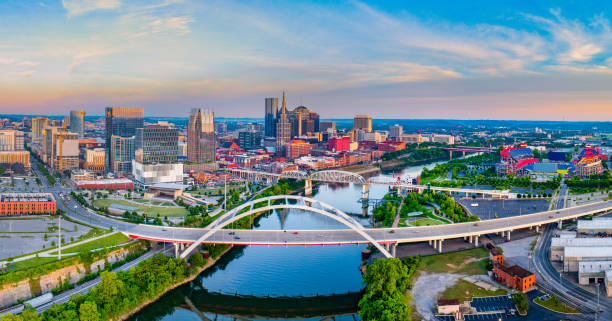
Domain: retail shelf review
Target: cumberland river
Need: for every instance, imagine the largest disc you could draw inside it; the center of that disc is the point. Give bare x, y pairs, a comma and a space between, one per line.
280, 283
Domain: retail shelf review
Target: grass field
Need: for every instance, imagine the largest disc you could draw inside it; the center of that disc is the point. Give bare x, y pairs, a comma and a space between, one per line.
426, 222
30, 263
468, 262
556, 305
464, 291
149, 210
111, 240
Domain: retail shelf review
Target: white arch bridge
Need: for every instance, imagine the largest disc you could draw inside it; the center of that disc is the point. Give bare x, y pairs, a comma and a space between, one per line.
384, 239
339, 176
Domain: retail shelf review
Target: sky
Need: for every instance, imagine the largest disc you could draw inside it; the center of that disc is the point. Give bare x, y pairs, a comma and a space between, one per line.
540, 60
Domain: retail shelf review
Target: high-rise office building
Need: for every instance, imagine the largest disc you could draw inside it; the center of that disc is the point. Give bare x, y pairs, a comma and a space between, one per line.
395, 132
121, 154
60, 148
270, 117
283, 128
122, 122
11, 140
201, 138
325, 125
363, 122
249, 139
38, 124
77, 122
156, 144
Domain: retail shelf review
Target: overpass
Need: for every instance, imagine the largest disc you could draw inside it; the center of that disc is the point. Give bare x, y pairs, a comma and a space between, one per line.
355, 234
466, 149
339, 176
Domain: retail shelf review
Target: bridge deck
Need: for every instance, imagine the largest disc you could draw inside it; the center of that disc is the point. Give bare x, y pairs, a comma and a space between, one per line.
347, 236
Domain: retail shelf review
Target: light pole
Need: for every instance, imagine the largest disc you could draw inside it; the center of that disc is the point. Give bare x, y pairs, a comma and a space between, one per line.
59, 236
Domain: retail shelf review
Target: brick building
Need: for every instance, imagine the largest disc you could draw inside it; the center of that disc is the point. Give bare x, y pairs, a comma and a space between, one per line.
27, 203
514, 277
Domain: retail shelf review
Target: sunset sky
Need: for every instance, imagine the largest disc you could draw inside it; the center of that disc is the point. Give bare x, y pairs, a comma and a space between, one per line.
548, 60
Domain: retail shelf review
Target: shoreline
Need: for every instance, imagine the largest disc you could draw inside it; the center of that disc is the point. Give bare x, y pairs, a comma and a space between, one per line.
144, 304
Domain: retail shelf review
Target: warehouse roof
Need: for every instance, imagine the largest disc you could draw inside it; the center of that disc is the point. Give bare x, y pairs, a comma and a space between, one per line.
594, 266
580, 242
596, 223
588, 251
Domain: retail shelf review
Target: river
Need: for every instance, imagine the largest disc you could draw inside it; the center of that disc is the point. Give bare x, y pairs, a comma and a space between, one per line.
281, 283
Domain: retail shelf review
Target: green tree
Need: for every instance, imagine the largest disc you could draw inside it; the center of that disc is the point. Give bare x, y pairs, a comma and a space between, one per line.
197, 259
521, 301
88, 311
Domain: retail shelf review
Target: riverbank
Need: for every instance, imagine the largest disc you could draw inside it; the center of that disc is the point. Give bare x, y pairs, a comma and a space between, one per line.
209, 263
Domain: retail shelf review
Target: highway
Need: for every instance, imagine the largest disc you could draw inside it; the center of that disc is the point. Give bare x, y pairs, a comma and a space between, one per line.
85, 287
550, 280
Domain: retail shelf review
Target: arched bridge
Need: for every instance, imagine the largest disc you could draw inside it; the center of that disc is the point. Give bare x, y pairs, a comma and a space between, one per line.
283, 202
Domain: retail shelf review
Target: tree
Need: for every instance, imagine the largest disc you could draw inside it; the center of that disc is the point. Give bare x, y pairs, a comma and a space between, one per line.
88, 311
521, 301
387, 281
197, 259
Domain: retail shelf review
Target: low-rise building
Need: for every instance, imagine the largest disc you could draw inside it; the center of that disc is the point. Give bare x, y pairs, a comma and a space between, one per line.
445, 139
448, 306
27, 203
572, 256
9, 158
594, 226
113, 184
82, 176
514, 277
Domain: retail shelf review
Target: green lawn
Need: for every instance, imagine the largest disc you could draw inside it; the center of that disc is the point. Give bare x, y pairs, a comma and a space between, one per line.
465, 291
149, 210
556, 305
469, 262
30, 263
426, 222
111, 240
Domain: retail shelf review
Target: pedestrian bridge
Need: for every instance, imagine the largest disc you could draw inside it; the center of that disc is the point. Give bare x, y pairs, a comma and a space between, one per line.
384, 239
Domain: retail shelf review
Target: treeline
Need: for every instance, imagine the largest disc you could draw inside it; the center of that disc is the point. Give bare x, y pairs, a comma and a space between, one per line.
387, 281
591, 184
117, 293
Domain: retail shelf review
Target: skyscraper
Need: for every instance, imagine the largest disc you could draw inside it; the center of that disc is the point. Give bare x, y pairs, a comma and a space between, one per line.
77, 122
156, 161
122, 122
363, 122
395, 132
201, 138
38, 124
270, 117
156, 144
283, 128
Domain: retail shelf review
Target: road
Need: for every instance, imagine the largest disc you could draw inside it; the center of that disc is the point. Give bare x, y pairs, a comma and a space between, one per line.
85, 287
553, 282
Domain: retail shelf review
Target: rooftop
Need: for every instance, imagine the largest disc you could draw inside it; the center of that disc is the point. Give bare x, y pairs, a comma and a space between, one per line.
26, 197
105, 181
580, 242
595, 223
594, 266
588, 251
514, 270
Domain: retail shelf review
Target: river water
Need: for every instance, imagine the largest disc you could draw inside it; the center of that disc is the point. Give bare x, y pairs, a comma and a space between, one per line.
281, 283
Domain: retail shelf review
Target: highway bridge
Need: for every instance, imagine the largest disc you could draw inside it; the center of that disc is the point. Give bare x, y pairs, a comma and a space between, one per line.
385, 239
339, 176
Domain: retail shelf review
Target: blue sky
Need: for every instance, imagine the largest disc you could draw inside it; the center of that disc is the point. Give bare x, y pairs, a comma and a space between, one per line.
445, 59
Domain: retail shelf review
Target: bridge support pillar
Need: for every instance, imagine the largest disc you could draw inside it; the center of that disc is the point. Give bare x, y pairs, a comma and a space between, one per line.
365, 191
537, 229
476, 241
308, 187
394, 249
560, 224
176, 250
508, 236
450, 154
429, 242
463, 153
470, 239
440, 246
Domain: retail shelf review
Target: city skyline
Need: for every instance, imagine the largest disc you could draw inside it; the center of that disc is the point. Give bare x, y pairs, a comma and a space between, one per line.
549, 61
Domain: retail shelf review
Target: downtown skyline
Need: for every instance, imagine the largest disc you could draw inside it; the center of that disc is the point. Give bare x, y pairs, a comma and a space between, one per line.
550, 61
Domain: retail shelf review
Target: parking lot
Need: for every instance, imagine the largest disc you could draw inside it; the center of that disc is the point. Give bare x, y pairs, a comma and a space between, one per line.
27, 234
491, 304
497, 208
485, 306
